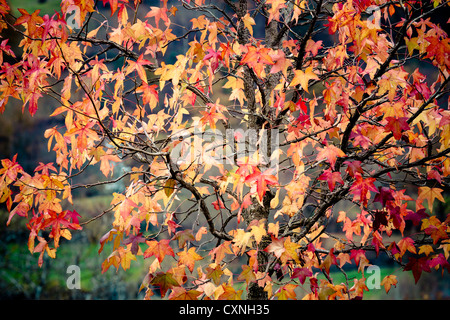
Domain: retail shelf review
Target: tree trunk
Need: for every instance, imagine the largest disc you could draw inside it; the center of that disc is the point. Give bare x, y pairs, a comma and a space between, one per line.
256, 211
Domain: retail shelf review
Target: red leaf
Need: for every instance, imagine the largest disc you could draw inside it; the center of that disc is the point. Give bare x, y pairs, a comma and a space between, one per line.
361, 187
263, 179
353, 167
416, 217
397, 126
301, 274
331, 178
417, 266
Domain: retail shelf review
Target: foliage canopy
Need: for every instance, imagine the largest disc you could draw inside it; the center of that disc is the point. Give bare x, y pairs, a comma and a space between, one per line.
288, 136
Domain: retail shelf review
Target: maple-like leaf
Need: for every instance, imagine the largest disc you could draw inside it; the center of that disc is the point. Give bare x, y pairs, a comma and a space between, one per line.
406, 244
258, 230
384, 195
32, 20
248, 22
262, 179
257, 58
229, 293
302, 78
219, 252
417, 265
301, 274
188, 258
429, 194
179, 293
247, 274
276, 247
361, 187
388, 282
416, 216
396, 126
287, 292
214, 273
211, 116
331, 178
439, 261
329, 153
183, 236
138, 66
159, 13
380, 219
329, 261
427, 249
159, 249
125, 257
165, 281
134, 240
353, 167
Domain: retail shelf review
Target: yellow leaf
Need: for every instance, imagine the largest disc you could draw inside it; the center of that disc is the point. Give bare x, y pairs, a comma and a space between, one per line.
429, 194
258, 232
427, 249
303, 78
248, 22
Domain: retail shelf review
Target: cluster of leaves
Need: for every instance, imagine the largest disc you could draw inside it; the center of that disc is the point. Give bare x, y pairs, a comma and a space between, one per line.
356, 125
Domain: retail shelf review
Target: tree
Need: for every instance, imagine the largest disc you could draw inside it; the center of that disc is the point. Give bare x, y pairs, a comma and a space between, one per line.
253, 129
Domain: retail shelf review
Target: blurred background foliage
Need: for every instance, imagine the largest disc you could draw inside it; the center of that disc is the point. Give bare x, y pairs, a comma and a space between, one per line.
20, 276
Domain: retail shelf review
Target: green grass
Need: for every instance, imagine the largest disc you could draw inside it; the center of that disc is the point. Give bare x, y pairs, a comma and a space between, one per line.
48, 7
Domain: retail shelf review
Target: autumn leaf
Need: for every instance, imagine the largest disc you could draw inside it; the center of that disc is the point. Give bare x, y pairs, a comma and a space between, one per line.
416, 216
396, 126
388, 282
427, 249
247, 274
138, 66
262, 179
287, 292
276, 247
302, 78
32, 20
429, 194
211, 116
406, 244
229, 293
134, 240
214, 273
125, 257
329, 261
417, 265
361, 188
329, 153
301, 274
179, 293
159, 249
165, 281
248, 22
188, 258
258, 230
331, 178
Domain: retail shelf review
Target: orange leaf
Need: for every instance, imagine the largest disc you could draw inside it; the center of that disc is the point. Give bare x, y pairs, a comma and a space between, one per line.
158, 249
329, 153
406, 244
188, 258
388, 282
429, 194
303, 78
